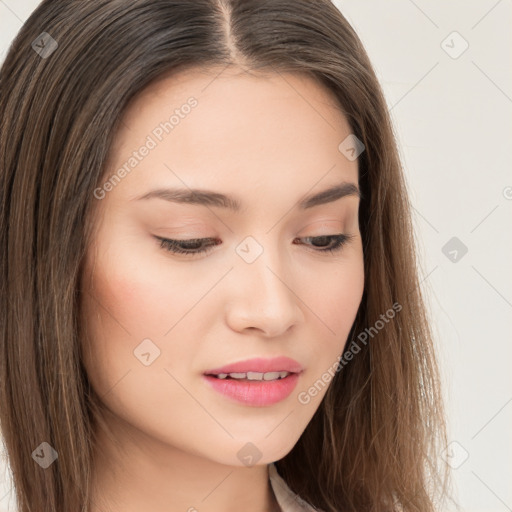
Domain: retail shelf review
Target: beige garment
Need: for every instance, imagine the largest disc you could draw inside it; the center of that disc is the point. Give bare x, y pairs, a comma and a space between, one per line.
286, 498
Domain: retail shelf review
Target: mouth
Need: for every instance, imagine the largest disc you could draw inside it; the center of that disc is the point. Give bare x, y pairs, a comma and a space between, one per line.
252, 369
251, 376
256, 382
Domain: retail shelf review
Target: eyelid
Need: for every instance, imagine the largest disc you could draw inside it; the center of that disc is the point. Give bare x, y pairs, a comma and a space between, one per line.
173, 245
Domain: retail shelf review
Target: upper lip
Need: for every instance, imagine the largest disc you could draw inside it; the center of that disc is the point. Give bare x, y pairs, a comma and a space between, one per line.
260, 365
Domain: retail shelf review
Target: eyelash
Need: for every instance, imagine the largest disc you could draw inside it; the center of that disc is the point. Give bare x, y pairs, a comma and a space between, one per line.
340, 240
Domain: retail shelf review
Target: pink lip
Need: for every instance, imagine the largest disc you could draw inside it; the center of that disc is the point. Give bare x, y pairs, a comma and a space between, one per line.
276, 364
256, 393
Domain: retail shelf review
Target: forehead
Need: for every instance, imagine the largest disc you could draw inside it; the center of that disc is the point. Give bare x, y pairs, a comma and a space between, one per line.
228, 99
246, 129
215, 82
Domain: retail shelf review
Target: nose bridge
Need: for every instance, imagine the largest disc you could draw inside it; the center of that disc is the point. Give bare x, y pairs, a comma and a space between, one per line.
265, 298
265, 263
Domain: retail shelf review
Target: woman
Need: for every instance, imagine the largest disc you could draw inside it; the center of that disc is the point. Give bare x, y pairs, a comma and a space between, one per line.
209, 290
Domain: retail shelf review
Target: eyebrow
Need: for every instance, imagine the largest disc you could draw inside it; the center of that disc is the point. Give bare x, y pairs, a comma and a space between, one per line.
216, 199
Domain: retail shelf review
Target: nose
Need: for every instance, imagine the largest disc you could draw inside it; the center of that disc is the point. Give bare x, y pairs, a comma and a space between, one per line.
262, 296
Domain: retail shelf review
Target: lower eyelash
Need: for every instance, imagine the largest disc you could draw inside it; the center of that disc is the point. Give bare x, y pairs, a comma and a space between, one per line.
340, 240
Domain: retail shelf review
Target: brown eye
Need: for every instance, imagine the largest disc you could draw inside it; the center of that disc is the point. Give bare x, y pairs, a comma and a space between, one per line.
324, 243
192, 246
337, 242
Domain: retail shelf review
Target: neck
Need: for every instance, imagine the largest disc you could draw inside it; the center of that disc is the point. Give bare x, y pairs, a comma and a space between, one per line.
133, 472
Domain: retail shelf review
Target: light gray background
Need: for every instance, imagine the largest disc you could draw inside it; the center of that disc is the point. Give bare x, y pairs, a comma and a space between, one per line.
452, 117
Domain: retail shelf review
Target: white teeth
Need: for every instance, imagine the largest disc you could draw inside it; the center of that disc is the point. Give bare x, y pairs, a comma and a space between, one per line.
254, 375
271, 376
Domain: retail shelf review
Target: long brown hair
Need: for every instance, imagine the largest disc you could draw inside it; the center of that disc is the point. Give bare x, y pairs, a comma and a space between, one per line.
373, 443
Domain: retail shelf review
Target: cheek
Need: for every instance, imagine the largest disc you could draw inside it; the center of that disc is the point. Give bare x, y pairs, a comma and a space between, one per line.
122, 305
134, 294
334, 304
128, 310
337, 295
125, 302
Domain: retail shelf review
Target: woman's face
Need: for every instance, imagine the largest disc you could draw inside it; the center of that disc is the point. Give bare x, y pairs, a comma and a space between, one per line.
158, 320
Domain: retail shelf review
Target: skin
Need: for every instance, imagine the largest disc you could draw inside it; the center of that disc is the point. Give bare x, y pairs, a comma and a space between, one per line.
270, 141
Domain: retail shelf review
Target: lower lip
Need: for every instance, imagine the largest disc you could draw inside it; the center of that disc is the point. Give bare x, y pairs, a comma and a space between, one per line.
256, 392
